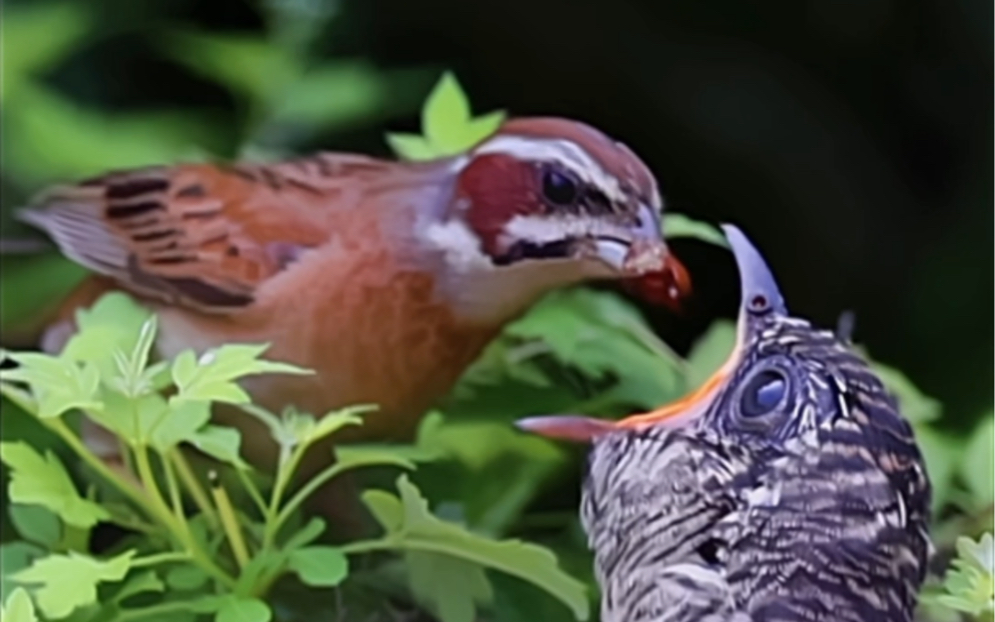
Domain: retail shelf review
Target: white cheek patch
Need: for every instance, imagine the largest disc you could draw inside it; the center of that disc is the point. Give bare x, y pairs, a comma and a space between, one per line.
570, 155
541, 229
458, 244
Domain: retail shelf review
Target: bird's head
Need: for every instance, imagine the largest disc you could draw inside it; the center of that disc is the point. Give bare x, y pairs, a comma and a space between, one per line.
548, 198
786, 386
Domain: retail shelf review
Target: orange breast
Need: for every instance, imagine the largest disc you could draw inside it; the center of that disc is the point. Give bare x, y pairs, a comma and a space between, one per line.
366, 321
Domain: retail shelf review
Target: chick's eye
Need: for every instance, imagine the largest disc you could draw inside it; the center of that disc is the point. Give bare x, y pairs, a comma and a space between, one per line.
763, 393
558, 188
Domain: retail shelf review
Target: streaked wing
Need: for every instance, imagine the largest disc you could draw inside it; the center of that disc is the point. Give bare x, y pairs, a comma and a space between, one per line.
202, 236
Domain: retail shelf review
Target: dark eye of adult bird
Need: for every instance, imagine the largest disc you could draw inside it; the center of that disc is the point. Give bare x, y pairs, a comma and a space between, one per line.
821, 513
559, 188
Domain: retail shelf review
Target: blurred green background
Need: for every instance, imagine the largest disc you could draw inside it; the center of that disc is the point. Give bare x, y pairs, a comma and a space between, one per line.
850, 139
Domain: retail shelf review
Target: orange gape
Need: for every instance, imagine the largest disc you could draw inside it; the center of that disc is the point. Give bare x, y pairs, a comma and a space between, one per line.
385, 278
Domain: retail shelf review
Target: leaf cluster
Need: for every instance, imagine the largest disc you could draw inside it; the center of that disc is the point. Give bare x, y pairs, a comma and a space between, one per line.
194, 548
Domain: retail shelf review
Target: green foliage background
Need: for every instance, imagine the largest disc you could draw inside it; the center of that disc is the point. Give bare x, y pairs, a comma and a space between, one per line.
99, 84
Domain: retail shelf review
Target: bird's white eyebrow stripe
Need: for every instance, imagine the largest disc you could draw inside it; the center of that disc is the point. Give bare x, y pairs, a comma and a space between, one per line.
565, 152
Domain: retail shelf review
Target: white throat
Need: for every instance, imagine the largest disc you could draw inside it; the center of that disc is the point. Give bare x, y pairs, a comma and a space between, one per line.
483, 293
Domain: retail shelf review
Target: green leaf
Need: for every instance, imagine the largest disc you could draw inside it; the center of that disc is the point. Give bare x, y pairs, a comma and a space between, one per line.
333, 95
186, 577
15, 556
349, 457
977, 466
504, 469
45, 482
601, 334
411, 146
58, 384
48, 138
36, 37
135, 378
980, 554
250, 66
115, 323
942, 453
212, 376
915, 405
305, 535
18, 608
132, 419
221, 443
412, 528
319, 566
141, 583
334, 421
446, 112
448, 127
30, 283
451, 587
179, 423
36, 524
970, 584
681, 226
150, 420
709, 352
238, 609
65, 582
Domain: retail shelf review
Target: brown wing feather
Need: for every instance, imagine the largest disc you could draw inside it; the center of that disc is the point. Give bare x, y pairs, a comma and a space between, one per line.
202, 236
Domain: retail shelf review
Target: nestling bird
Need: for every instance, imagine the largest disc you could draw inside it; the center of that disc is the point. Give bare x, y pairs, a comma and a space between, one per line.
787, 488
386, 278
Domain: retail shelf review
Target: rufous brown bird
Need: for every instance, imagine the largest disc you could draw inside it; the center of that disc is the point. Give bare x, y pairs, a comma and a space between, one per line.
787, 488
387, 278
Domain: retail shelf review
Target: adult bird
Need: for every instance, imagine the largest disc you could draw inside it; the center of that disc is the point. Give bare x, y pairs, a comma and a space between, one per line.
387, 278
787, 488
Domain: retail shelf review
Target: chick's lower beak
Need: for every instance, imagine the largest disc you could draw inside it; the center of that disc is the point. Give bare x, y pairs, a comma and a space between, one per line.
675, 414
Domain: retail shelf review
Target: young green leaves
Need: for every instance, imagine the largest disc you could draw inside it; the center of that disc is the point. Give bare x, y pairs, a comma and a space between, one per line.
969, 585
42, 480
64, 582
446, 562
448, 126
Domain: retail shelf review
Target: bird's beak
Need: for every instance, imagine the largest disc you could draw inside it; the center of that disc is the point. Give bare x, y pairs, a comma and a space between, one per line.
756, 280
646, 264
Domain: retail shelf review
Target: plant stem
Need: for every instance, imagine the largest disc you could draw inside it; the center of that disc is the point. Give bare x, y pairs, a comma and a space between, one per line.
175, 499
153, 507
193, 486
125, 487
253, 490
177, 528
306, 491
365, 546
232, 529
154, 612
148, 480
160, 558
283, 475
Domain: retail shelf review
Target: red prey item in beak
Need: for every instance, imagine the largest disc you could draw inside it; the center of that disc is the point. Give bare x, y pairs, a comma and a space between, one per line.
666, 286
